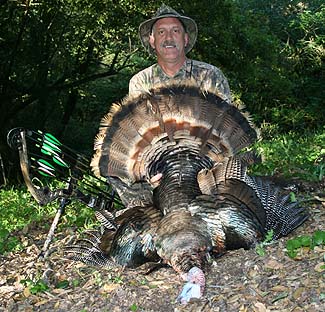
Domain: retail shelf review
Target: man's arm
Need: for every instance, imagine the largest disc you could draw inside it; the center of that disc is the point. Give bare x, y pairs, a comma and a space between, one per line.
222, 85
134, 86
140, 82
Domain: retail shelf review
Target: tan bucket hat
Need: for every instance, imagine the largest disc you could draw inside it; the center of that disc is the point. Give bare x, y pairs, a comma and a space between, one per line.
189, 24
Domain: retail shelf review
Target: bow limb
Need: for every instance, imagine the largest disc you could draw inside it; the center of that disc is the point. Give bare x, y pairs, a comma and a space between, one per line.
38, 193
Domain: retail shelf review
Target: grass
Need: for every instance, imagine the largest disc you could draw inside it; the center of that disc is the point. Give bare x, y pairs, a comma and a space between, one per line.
290, 155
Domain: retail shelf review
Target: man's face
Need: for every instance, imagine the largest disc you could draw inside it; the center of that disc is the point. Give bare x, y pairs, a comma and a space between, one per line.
169, 39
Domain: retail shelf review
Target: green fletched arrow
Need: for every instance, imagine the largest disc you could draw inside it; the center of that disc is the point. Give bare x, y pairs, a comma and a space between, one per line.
50, 140
45, 152
45, 169
51, 148
58, 160
46, 149
48, 137
45, 164
45, 173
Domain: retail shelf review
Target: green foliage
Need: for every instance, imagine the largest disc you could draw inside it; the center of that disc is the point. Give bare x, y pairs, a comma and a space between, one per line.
18, 209
285, 85
260, 248
134, 307
9, 243
118, 279
51, 51
75, 282
20, 212
293, 197
62, 284
79, 216
293, 155
293, 245
35, 287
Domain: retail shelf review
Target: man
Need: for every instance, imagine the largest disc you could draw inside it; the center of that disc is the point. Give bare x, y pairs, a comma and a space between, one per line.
170, 36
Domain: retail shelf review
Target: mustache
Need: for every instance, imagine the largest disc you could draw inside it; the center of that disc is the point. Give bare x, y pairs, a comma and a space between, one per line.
166, 43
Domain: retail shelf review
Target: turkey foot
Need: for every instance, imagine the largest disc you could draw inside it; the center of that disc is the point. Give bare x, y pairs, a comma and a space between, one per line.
194, 287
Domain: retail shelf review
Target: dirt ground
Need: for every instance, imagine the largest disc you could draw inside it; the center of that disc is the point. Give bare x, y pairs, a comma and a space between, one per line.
240, 280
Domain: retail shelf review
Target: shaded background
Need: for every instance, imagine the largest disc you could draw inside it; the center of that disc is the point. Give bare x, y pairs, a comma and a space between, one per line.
62, 63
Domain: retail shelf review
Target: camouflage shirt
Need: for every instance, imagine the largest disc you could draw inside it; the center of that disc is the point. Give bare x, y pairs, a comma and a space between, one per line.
207, 77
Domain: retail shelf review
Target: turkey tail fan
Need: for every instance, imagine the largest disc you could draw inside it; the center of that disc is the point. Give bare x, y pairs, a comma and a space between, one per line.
140, 128
282, 215
234, 167
130, 244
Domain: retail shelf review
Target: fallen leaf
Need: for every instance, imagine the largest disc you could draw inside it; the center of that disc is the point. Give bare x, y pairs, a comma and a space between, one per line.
252, 273
243, 309
319, 249
298, 292
157, 283
27, 292
234, 298
320, 267
39, 303
274, 265
7, 289
260, 307
279, 288
109, 287
280, 297
58, 291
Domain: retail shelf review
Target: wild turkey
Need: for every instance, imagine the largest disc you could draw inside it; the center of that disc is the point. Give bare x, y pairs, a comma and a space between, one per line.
174, 156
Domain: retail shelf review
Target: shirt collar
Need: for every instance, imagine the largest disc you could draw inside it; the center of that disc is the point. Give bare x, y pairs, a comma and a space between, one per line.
180, 74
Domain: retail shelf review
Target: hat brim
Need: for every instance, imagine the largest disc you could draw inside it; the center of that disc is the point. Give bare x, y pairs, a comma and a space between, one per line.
145, 29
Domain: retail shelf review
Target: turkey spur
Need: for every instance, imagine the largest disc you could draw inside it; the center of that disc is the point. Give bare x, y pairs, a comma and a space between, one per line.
176, 158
